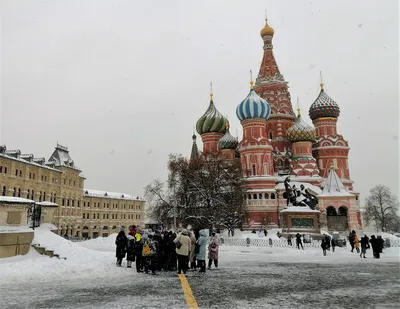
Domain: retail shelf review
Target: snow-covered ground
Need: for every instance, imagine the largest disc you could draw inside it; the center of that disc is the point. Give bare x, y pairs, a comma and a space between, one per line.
89, 268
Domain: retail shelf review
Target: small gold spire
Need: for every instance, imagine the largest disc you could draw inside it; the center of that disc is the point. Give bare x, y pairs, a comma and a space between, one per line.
251, 80
211, 92
321, 84
298, 108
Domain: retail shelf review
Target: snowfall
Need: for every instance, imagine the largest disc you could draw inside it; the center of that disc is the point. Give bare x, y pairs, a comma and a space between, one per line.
92, 262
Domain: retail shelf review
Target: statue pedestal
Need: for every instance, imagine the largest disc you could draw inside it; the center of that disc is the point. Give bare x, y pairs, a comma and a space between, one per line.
302, 220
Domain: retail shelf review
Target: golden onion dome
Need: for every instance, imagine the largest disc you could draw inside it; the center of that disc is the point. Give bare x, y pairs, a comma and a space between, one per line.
301, 131
267, 30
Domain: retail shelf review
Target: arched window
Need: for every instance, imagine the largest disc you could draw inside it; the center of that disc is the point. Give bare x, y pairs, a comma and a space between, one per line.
270, 135
272, 196
331, 211
40, 196
249, 196
254, 196
44, 196
27, 194
15, 192
260, 196
253, 169
342, 211
33, 195
19, 192
266, 196
4, 191
63, 202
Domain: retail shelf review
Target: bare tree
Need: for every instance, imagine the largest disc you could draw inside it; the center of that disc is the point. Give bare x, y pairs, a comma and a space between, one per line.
381, 208
203, 192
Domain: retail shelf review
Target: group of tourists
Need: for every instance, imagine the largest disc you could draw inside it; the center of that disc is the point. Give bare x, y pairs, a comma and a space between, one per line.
364, 242
377, 244
166, 250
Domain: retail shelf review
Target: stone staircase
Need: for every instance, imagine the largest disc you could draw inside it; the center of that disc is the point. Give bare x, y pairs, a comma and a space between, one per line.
43, 251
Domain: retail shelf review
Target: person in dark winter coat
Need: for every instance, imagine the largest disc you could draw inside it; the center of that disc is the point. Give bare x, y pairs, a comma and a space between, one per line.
364, 246
380, 243
375, 247
333, 244
160, 252
149, 253
298, 241
351, 239
324, 245
121, 242
130, 250
138, 252
328, 242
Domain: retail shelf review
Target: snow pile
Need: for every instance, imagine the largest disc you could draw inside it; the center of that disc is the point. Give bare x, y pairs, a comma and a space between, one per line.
105, 244
79, 261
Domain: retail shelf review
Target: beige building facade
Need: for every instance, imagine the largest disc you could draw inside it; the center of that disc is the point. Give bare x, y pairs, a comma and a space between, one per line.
79, 212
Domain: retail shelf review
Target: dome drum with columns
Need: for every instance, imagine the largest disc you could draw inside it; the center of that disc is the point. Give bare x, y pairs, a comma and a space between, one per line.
305, 150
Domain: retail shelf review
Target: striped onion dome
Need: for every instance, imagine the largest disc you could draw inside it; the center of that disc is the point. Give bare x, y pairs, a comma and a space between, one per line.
212, 121
253, 106
324, 106
301, 131
228, 141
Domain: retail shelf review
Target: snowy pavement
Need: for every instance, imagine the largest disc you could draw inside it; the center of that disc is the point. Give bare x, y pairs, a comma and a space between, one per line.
248, 278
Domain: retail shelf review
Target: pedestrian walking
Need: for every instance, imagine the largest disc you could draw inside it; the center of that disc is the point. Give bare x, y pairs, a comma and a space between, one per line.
298, 241
333, 244
364, 246
324, 246
289, 239
356, 243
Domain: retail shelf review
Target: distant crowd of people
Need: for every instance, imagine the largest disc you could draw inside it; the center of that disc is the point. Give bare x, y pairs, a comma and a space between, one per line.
166, 250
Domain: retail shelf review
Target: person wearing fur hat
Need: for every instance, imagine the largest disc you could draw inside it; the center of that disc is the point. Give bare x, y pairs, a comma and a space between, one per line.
183, 247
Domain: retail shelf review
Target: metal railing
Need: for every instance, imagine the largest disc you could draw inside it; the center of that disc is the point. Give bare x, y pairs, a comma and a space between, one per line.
269, 242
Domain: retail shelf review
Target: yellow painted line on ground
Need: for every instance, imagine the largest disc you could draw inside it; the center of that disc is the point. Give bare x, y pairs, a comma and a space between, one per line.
190, 300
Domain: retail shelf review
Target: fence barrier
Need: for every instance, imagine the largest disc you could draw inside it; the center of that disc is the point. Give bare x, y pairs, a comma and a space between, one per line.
269, 242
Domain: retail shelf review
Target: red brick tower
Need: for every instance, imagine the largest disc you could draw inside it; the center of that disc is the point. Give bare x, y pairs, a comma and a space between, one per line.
330, 148
271, 86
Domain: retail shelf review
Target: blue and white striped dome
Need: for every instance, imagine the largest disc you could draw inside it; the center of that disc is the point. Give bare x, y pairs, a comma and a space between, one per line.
253, 106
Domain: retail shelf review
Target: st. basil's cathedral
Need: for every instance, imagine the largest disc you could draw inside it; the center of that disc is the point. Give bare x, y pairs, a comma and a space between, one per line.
279, 151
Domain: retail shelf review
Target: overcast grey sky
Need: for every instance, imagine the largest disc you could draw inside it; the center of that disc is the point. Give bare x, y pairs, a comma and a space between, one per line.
122, 83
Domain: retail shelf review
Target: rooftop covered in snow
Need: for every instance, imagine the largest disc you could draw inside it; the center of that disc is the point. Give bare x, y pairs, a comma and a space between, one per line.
112, 195
15, 200
334, 186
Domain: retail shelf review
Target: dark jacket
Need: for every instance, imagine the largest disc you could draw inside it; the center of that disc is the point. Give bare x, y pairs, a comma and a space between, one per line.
130, 249
121, 241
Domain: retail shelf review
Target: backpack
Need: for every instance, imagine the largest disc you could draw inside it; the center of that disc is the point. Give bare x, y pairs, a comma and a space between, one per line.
146, 249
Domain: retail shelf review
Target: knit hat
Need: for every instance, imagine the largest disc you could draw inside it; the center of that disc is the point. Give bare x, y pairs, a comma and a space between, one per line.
184, 232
